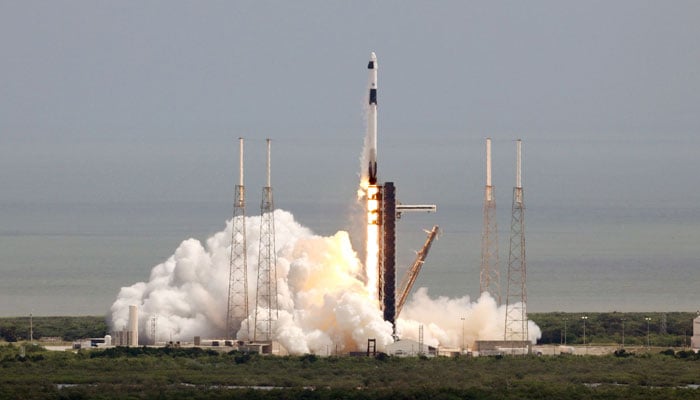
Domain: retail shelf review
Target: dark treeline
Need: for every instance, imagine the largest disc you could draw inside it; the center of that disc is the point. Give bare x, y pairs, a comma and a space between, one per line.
601, 328
13, 329
607, 328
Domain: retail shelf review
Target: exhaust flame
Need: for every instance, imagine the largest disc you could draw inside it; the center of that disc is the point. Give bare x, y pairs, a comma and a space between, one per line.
372, 245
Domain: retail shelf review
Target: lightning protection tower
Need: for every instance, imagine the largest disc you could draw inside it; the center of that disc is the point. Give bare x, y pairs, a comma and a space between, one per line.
238, 267
154, 328
490, 277
266, 309
516, 301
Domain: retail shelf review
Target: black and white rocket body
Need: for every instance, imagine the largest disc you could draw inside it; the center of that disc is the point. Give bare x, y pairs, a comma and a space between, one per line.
372, 119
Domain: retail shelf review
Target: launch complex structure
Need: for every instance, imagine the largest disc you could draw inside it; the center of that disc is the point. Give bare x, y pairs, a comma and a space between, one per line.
516, 328
266, 309
382, 212
382, 209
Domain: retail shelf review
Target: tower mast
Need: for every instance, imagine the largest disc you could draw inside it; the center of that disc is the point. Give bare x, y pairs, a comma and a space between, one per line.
237, 310
266, 309
516, 301
490, 276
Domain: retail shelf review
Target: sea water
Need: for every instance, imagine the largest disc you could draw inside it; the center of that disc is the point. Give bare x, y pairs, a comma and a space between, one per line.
72, 258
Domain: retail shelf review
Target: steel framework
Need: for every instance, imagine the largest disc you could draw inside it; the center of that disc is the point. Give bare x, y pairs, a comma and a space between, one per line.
410, 278
516, 300
266, 310
237, 310
154, 326
490, 276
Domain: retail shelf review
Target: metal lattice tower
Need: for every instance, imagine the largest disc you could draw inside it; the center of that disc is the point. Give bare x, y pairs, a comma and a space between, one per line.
490, 277
266, 309
154, 327
516, 301
237, 310
663, 328
420, 340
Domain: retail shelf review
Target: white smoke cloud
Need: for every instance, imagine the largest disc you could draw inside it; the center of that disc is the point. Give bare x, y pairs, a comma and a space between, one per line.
442, 320
324, 304
322, 298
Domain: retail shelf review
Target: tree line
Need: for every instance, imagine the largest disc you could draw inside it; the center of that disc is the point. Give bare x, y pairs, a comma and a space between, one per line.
671, 329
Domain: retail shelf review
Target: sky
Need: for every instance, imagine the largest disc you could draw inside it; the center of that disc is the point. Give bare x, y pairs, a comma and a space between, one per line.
134, 102
143, 101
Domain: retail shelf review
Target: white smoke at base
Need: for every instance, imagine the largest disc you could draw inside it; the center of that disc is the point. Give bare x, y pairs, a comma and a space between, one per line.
323, 301
442, 320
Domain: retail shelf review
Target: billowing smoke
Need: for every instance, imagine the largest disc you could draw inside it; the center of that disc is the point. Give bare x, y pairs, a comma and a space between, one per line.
324, 303
443, 325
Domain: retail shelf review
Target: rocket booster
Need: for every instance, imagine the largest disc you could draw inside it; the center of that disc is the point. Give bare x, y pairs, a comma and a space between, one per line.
372, 119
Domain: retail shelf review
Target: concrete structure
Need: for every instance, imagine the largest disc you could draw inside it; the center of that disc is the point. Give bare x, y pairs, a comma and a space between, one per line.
134, 326
267, 347
92, 343
695, 340
501, 347
128, 335
410, 348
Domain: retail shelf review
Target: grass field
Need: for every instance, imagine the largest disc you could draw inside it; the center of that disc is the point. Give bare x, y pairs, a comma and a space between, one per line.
197, 373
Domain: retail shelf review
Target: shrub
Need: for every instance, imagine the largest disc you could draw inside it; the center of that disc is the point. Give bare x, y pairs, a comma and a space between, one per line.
668, 352
622, 353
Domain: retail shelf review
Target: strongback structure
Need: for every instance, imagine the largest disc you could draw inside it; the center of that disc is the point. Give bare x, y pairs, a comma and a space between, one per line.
390, 211
237, 310
490, 276
266, 310
516, 300
388, 253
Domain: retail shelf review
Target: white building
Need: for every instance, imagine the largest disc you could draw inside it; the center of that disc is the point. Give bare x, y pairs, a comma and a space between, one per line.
410, 348
695, 341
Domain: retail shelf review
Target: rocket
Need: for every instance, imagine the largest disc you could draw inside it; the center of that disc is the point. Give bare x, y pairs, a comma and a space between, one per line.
372, 119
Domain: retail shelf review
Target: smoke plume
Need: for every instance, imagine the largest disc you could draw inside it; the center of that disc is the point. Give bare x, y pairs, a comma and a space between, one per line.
324, 304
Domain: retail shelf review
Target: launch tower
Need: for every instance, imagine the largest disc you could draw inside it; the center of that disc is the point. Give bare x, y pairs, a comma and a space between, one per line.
490, 276
237, 310
516, 300
266, 309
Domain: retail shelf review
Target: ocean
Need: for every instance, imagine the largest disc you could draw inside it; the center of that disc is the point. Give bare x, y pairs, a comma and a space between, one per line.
72, 258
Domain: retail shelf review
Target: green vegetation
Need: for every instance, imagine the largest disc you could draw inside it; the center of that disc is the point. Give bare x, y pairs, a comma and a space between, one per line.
29, 371
606, 328
15, 329
123, 373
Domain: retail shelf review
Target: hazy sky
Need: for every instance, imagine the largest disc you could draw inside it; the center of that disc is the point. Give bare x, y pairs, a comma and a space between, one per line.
143, 100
